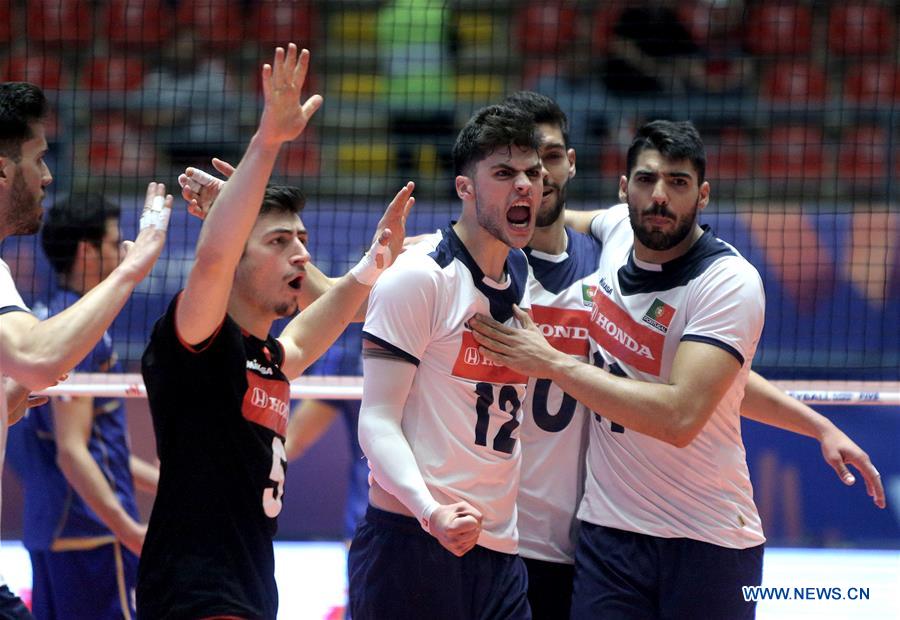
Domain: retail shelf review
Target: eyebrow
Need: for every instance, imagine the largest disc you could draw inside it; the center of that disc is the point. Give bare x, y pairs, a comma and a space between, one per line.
677, 173
553, 145
502, 166
284, 230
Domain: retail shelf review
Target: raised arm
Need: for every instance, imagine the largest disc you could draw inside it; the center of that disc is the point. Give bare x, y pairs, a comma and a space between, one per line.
36, 353
200, 189
767, 404
227, 227
310, 333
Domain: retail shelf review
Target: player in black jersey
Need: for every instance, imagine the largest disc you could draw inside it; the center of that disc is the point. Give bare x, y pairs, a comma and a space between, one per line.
218, 382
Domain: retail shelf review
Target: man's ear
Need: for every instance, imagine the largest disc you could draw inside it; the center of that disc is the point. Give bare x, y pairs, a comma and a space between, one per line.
6, 165
465, 188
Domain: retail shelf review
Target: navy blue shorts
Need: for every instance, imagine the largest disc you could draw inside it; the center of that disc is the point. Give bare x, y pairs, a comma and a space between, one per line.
625, 575
398, 571
549, 588
61, 578
12, 607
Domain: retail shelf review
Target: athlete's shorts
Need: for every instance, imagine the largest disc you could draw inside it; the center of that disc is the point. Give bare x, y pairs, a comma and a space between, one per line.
399, 571
626, 575
63, 579
549, 588
12, 607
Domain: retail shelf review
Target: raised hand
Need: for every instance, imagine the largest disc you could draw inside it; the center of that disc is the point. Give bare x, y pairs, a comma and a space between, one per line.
284, 118
141, 254
394, 220
200, 189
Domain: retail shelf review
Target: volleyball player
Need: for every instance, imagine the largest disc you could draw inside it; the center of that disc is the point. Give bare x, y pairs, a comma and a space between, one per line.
554, 427
36, 353
81, 526
667, 485
438, 424
218, 384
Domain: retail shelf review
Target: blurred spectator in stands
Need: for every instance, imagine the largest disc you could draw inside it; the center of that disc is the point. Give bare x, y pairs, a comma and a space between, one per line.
190, 100
414, 46
651, 52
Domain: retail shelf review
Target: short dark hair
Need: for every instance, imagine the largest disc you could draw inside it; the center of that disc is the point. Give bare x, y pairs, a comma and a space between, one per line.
542, 108
282, 199
674, 140
21, 104
80, 217
491, 128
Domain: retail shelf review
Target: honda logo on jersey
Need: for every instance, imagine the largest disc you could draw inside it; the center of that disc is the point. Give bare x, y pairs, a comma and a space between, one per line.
565, 329
470, 364
624, 338
266, 402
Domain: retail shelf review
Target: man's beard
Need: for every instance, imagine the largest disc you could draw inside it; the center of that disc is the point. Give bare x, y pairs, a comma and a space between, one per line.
24, 209
656, 239
549, 217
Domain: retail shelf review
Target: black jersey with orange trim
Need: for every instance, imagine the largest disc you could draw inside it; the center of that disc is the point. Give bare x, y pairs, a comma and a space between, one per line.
220, 412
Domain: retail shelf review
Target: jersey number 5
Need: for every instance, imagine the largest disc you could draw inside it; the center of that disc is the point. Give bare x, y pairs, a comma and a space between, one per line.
271, 498
507, 401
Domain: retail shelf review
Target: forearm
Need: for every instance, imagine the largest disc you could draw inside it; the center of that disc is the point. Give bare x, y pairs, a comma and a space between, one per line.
146, 475
83, 473
16, 400
765, 403
394, 467
227, 227
654, 409
580, 221
318, 326
36, 353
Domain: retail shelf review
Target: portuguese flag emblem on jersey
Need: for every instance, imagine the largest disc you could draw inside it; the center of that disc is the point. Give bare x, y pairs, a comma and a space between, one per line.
659, 315
587, 294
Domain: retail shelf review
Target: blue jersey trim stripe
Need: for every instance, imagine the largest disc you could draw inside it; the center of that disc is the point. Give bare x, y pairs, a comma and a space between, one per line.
390, 347
678, 272
500, 300
583, 257
8, 309
716, 343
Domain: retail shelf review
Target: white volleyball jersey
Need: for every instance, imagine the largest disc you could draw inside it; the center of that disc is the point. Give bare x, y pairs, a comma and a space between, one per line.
641, 313
10, 301
554, 429
463, 413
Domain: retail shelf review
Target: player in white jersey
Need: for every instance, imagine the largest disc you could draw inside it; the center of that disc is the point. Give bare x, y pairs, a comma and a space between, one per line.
36, 353
652, 509
439, 423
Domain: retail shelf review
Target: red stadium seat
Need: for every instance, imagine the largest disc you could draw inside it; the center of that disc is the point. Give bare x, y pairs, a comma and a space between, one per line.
216, 23
792, 81
861, 29
117, 149
141, 23
875, 83
794, 153
729, 156
45, 71
778, 28
6, 21
116, 73
58, 22
279, 23
863, 155
546, 27
604, 22
300, 158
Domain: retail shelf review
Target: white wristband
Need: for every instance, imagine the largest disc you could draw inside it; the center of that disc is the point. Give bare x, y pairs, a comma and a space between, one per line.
367, 270
157, 215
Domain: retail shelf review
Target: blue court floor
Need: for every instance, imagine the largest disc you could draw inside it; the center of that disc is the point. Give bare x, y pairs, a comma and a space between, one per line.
825, 584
